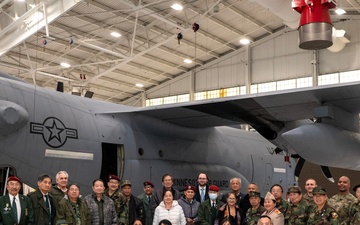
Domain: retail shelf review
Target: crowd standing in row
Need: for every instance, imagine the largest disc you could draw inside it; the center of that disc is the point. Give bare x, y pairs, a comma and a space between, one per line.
201, 205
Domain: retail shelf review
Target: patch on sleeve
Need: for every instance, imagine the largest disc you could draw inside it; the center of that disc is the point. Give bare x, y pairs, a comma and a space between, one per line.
334, 215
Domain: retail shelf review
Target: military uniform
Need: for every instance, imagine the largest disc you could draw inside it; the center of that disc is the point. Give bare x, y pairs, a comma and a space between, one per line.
277, 218
119, 199
341, 204
354, 213
253, 215
297, 214
324, 216
309, 198
282, 206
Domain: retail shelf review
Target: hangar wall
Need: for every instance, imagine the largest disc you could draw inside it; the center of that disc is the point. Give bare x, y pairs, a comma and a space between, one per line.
274, 58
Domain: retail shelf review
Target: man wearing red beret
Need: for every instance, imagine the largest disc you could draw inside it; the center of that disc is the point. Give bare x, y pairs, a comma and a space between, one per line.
113, 187
208, 210
114, 192
146, 197
189, 205
15, 208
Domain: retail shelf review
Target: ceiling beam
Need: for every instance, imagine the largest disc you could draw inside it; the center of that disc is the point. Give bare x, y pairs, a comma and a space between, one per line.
28, 24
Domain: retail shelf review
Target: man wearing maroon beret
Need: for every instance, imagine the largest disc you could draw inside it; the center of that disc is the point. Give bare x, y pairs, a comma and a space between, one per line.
15, 208
146, 197
114, 192
190, 205
113, 187
208, 210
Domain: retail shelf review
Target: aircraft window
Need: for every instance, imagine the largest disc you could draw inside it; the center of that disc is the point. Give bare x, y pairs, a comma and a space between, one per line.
161, 153
141, 151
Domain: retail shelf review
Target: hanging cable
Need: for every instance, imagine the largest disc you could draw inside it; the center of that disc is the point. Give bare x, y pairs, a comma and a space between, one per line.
195, 28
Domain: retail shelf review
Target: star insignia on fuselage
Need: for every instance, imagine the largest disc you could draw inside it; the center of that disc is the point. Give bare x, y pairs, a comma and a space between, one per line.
53, 131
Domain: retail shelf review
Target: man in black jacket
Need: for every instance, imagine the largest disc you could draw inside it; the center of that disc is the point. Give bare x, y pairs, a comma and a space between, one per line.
43, 202
132, 208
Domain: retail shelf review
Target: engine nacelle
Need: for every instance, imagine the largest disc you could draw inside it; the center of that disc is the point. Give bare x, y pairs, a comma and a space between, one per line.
326, 145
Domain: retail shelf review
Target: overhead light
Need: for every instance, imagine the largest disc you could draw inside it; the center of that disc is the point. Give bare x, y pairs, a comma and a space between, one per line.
64, 64
245, 41
188, 61
340, 11
115, 34
139, 85
177, 6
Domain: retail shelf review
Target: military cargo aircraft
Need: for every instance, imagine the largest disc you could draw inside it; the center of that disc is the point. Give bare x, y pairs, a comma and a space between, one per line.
44, 131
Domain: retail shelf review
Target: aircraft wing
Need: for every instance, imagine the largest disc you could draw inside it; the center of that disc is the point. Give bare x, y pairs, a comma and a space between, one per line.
265, 109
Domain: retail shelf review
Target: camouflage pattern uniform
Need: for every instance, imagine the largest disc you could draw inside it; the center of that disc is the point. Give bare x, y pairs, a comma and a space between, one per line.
354, 213
252, 216
308, 198
341, 204
326, 216
297, 214
119, 200
282, 206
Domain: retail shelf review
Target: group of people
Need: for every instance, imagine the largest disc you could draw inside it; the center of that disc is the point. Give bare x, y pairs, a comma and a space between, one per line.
201, 205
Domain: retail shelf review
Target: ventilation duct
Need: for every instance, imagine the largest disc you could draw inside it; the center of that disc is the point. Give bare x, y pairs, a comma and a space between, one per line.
315, 29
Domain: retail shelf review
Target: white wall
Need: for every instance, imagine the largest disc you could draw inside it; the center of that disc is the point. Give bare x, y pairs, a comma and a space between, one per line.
277, 58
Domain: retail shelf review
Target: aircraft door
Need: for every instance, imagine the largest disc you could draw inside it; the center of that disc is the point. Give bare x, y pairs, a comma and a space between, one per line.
5, 172
112, 160
268, 176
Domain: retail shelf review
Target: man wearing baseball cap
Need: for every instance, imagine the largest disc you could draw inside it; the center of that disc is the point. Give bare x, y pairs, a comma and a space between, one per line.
132, 208
208, 210
146, 197
15, 208
254, 213
322, 213
298, 211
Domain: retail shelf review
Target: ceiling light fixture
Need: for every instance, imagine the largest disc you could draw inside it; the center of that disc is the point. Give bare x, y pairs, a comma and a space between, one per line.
188, 61
340, 11
115, 34
64, 64
139, 85
245, 41
177, 6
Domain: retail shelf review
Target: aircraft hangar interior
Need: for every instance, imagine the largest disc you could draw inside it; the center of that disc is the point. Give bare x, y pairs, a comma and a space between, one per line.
153, 52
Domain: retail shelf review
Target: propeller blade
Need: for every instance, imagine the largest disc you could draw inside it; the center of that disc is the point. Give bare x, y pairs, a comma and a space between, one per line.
298, 168
326, 171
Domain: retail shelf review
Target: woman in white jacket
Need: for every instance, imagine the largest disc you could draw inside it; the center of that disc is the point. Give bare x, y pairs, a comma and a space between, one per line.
169, 209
